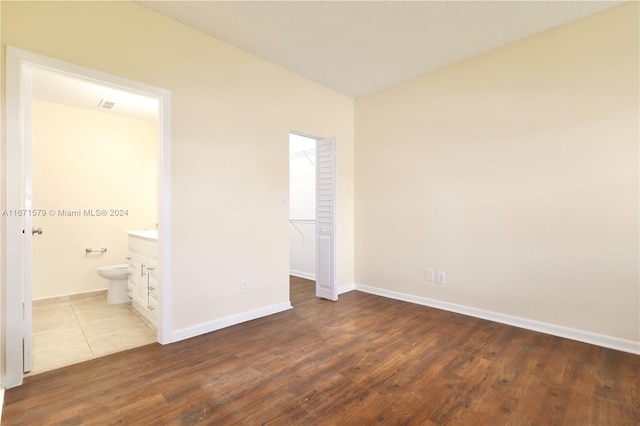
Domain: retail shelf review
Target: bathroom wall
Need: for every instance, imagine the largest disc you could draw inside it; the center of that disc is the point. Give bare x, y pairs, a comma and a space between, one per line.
88, 160
302, 207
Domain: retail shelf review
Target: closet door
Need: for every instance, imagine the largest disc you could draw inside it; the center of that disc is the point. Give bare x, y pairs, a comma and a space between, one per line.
326, 219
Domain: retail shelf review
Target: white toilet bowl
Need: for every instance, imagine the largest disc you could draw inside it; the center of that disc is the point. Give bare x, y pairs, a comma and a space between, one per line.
117, 276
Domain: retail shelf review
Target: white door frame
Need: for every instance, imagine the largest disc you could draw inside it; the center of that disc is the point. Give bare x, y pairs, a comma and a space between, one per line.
18, 64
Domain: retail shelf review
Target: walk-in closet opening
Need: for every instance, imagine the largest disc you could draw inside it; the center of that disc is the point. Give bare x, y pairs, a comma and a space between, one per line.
302, 209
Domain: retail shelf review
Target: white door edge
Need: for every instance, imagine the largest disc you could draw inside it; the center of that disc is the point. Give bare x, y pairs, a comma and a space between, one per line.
27, 92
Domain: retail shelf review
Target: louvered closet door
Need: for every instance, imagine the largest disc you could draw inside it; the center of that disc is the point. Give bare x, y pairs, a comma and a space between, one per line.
325, 219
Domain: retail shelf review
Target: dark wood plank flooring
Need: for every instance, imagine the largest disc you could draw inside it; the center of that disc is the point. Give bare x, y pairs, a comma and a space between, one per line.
359, 361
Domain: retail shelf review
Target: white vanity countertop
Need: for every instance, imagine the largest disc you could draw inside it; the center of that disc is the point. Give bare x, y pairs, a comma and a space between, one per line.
147, 234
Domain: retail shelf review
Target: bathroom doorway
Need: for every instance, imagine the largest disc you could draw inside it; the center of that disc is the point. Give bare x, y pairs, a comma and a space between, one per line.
26, 136
94, 155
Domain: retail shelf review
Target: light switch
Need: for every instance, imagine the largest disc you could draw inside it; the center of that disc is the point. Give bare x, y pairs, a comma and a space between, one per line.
428, 275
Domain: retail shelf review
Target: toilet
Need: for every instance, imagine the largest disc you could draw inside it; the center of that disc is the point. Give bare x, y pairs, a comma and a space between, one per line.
117, 276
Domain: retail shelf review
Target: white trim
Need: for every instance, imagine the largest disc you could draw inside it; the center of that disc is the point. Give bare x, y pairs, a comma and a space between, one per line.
346, 288
12, 226
217, 324
27, 239
72, 296
17, 60
301, 274
542, 327
304, 135
1, 402
164, 220
341, 289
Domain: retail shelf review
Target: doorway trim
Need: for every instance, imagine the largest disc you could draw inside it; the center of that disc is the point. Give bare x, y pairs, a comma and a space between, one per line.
18, 63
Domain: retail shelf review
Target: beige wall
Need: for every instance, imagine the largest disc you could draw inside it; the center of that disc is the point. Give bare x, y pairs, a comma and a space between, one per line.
516, 173
88, 160
232, 114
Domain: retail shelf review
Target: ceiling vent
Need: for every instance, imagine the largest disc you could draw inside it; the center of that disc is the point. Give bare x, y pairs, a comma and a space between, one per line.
106, 104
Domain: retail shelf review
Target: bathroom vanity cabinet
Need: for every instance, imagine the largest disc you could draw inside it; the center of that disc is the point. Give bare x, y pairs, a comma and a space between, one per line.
143, 273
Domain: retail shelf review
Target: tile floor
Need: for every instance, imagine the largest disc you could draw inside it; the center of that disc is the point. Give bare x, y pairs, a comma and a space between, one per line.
71, 330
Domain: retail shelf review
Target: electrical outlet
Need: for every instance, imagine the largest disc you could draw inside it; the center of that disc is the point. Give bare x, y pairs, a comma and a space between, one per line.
244, 287
441, 278
428, 274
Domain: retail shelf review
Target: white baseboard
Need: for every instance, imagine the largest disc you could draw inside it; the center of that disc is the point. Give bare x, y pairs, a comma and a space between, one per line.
301, 274
69, 297
224, 322
542, 327
346, 288
1, 402
312, 277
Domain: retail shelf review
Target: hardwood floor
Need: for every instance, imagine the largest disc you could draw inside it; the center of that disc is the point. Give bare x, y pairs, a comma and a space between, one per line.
362, 360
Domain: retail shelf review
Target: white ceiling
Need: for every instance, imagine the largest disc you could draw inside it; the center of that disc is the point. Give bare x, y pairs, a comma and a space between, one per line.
60, 88
358, 47
353, 47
